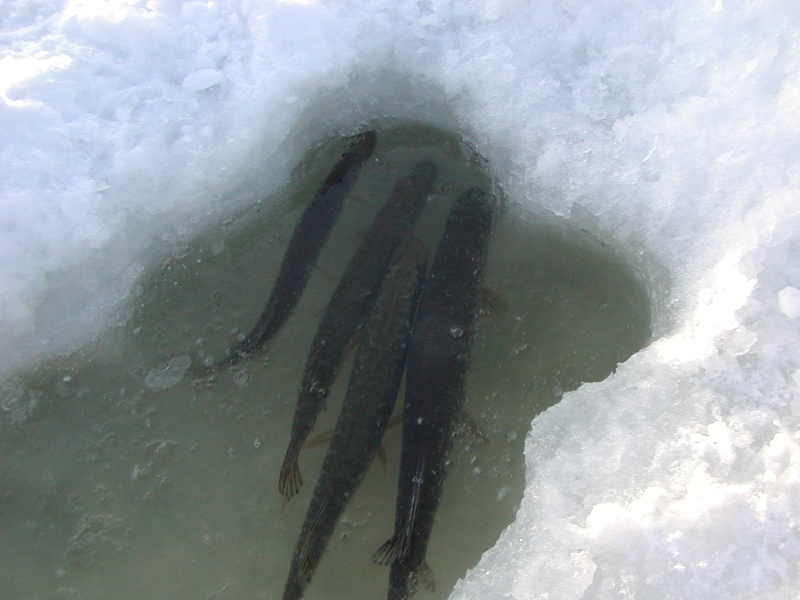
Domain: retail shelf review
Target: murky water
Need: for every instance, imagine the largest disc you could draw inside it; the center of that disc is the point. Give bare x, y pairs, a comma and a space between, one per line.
111, 488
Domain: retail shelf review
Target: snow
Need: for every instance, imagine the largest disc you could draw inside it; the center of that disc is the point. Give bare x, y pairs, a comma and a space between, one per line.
669, 127
789, 301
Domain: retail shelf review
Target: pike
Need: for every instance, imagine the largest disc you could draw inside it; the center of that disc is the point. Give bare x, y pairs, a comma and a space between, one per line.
367, 407
438, 361
306, 243
349, 308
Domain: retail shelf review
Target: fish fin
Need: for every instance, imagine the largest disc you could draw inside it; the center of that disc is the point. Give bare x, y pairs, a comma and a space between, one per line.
398, 547
357, 199
324, 272
305, 568
425, 577
468, 425
354, 342
382, 455
395, 420
319, 439
492, 303
422, 574
388, 553
304, 554
290, 480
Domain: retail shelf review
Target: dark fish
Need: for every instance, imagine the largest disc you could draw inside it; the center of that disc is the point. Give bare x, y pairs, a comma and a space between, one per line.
307, 239
365, 414
349, 308
438, 360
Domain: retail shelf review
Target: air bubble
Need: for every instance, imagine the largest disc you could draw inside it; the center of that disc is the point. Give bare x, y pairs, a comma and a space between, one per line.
241, 378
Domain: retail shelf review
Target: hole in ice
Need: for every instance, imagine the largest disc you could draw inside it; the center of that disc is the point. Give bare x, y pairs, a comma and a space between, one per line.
561, 308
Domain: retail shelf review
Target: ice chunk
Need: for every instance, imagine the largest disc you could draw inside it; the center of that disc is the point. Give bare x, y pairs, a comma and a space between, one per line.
202, 80
789, 301
160, 379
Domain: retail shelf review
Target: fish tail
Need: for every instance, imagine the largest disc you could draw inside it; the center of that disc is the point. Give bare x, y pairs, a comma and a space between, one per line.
290, 480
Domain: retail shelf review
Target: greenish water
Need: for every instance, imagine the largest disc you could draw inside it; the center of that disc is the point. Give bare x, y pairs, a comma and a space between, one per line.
110, 488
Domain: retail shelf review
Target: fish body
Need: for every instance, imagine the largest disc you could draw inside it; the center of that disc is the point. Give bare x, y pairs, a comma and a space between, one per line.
306, 243
366, 411
438, 360
349, 308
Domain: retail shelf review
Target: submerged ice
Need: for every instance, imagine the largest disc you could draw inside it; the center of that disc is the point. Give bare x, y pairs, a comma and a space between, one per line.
132, 127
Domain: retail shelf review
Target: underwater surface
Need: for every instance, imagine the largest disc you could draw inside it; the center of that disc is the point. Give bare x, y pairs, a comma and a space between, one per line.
133, 473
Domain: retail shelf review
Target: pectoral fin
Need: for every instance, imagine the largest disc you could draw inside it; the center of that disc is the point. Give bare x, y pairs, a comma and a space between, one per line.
357, 199
393, 550
395, 420
319, 439
324, 273
467, 424
382, 455
326, 436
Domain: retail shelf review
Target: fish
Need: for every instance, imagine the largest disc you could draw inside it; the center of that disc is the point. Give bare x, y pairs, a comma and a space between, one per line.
366, 412
437, 366
349, 308
305, 245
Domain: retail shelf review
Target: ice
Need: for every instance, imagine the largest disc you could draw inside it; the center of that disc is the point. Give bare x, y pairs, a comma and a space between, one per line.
669, 128
98, 534
161, 379
202, 80
789, 301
